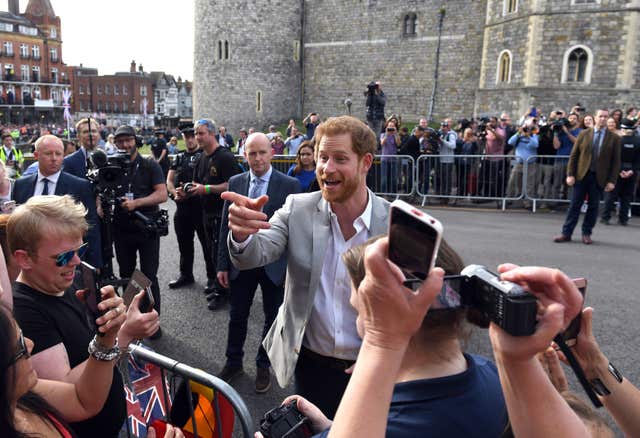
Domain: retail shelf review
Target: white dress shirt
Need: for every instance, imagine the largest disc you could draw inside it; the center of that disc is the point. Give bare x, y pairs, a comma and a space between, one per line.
331, 330
51, 186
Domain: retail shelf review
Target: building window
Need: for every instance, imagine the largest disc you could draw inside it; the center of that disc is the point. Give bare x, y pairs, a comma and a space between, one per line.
36, 92
99, 106
116, 90
577, 65
8, 72
503, 75
143, 90
125, 107
258, 101
509, 7
107, 90
28, 30
219, 49
54, 75
115, 107
24, 51
80, 89
125, 91
54, 54
410, 25
35, 70
55, 96
53, 33
6, 27
24, 72
107, 107
296, 50
226, 49
35, 52
99, 90
7, 47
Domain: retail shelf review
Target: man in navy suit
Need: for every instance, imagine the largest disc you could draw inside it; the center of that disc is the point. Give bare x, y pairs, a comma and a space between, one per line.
88, 136
51, 180
261, 179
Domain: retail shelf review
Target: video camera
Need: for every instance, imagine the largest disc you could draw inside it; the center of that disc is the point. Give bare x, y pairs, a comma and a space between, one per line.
559, 123
108, 172
372, 87
285, 421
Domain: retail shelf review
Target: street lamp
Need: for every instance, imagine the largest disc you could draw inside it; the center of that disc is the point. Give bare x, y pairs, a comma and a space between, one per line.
348, 103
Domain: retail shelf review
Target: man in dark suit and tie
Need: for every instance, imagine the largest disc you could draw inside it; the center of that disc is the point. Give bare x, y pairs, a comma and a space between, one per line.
51, 180
261, 179
88, 136
594, 165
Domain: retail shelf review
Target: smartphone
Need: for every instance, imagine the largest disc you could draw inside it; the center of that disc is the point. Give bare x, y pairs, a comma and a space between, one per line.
570, 335
414, 239
138, 282
92, 295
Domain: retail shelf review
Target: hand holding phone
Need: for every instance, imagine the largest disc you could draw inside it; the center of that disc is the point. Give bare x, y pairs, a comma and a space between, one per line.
139, 282
414, 239
92, 295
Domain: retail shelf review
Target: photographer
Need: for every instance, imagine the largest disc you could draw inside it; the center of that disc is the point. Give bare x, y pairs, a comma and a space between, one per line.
546, 148
376, 100
188, 217
525, 142
492, 172
444, 176
146, 189
563, 141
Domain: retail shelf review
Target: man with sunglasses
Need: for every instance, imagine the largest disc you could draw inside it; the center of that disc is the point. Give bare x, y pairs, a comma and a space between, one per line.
146, 188
45, 237
50, 179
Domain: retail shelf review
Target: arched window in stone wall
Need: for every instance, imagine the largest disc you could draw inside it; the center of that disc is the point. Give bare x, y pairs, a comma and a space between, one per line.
577, 65
410, 25
503, 72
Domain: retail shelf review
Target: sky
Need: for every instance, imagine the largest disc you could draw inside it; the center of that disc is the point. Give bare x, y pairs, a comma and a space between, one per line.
108, 35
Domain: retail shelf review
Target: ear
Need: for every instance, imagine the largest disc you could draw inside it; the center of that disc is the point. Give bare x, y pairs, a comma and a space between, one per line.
367, 161
23, 259
35, 154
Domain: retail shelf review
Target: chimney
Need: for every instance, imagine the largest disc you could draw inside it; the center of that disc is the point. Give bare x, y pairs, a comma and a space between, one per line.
133, 67
140, 69
14, 7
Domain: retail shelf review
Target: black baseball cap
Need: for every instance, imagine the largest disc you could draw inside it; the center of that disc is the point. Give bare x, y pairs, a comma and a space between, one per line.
124, 130
626, 124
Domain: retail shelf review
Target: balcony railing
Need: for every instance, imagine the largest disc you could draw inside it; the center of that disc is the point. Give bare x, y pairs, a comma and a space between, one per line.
8, 54
36, 57
24, 56
54, 59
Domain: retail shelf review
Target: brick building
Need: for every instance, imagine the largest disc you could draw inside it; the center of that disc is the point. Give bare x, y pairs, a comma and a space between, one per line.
114, 99
33, 75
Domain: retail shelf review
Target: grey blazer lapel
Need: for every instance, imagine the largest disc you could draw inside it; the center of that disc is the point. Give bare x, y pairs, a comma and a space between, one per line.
321, 233
379, 215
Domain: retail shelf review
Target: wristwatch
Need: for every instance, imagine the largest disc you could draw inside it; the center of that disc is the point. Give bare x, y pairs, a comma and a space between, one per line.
102, 353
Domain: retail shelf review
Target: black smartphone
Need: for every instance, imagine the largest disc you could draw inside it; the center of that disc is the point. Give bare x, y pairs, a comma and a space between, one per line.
570, 335
92, 294
414, 239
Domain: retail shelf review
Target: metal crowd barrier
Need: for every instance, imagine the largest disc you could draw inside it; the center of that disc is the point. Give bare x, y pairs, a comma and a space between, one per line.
220, 386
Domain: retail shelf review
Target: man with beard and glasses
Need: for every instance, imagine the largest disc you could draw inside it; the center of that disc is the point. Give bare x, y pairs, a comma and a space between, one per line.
314, 335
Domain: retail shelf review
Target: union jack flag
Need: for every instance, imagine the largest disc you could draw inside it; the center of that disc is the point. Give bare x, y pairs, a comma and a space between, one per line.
145, 396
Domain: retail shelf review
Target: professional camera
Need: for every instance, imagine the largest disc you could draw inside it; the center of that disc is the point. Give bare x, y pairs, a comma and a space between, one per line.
372, 87
559, 123
108, 171
285, 421
482, 126
432, 139
503, 302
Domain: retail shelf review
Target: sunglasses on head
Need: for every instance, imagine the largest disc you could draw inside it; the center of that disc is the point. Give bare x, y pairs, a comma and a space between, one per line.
64, 258
21, 350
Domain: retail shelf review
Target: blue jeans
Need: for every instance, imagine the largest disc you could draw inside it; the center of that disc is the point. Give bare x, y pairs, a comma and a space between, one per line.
587, 186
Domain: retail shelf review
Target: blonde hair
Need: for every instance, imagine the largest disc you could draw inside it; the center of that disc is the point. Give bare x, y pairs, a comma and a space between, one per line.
86, 121
42, 215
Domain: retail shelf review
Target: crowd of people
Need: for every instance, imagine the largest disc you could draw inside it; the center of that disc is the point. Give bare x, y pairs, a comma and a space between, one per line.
337, 312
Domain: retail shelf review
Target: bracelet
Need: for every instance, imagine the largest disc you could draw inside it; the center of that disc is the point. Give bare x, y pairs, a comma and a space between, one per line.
102, 353
600, 387
207, 189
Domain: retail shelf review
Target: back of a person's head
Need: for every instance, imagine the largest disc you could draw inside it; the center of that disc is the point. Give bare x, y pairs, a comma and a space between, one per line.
438, 323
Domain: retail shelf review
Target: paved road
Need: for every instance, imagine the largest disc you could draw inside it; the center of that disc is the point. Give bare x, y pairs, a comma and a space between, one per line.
197, 336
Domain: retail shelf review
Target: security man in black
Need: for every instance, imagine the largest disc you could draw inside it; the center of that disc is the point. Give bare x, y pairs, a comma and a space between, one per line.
213, 171
145, 190
187, 220
629, 168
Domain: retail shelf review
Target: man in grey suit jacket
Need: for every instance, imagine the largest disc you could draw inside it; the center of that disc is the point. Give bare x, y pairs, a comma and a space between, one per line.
314, 335
260, 180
